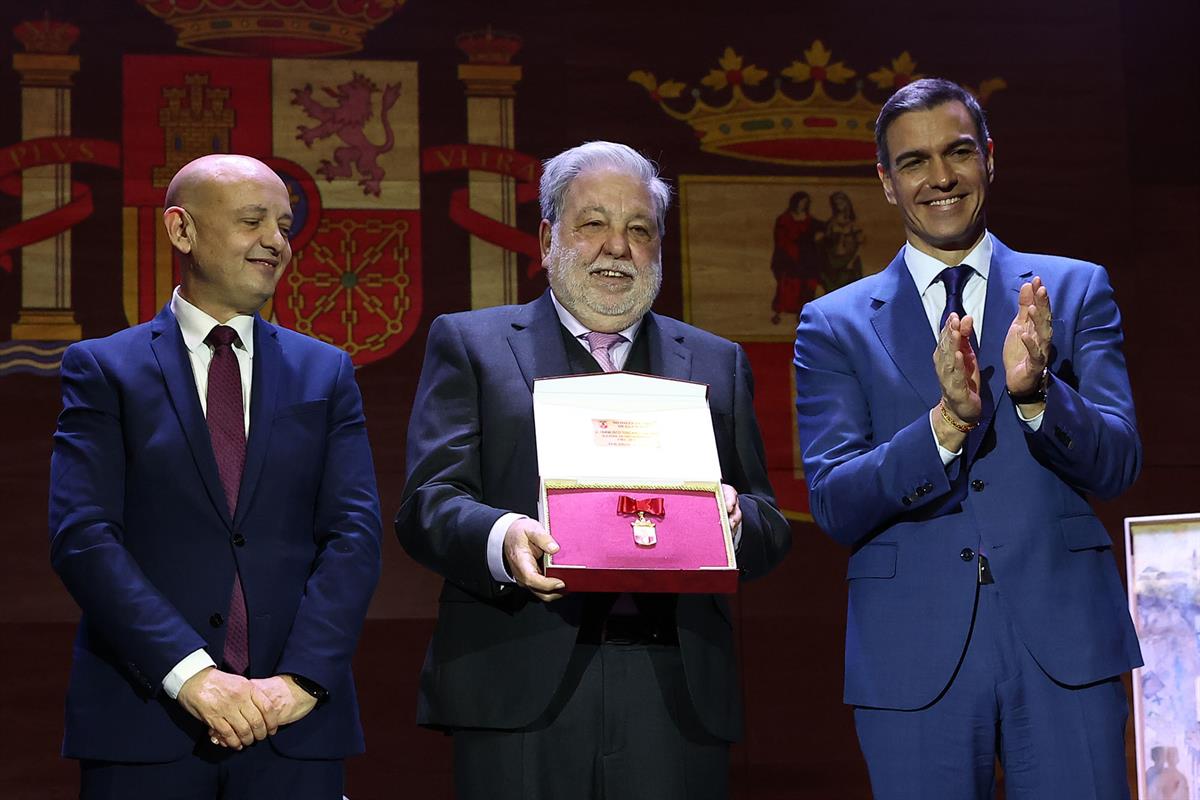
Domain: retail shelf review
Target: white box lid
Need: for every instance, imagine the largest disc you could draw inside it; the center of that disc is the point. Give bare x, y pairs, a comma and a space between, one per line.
623, 425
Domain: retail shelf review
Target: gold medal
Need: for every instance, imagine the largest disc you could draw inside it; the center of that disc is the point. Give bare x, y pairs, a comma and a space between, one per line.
644, 532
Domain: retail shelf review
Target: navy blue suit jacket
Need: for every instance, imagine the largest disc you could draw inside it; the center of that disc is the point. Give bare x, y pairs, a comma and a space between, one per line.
865, 384
498, 654
141, 535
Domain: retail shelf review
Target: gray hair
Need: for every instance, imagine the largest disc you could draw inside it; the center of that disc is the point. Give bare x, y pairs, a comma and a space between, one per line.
923, 95
559, 171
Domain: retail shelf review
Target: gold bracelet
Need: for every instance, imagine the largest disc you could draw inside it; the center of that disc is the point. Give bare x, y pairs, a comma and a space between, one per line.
961, 427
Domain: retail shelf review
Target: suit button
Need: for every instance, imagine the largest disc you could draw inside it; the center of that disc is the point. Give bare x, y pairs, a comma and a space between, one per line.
906, 500
216, 620
239, 540
922, 490
977, 485
967, 554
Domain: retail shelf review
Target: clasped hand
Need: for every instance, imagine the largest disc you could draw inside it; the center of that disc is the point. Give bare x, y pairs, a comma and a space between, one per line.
240, 711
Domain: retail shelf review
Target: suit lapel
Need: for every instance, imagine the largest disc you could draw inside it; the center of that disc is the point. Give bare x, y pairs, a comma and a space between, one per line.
166, 341
902, 326
536, 341
537, 344
264, 395
669, 356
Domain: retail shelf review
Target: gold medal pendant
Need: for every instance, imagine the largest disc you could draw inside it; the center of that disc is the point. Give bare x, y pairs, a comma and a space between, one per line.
644, 533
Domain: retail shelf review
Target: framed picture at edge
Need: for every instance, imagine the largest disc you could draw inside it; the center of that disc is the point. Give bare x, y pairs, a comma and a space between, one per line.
1162, 557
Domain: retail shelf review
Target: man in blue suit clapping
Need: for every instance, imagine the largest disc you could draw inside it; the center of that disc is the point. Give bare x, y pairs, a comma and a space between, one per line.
986, 615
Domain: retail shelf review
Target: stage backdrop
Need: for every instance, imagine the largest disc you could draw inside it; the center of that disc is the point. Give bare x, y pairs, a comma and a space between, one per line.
410, 135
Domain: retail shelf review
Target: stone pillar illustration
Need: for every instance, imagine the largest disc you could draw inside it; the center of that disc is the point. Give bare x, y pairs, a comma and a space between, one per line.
46, 69
490, 80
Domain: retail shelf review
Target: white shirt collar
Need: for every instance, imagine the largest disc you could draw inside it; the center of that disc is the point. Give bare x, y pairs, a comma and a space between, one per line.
578, 329
195, 325
925, 268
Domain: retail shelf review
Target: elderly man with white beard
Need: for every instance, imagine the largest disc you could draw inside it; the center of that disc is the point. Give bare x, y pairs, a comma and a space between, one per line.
549, 694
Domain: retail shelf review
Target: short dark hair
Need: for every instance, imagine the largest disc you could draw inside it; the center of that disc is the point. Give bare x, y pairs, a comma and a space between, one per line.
923, 95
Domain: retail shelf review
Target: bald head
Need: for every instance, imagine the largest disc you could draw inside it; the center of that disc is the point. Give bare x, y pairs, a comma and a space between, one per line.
228, 217
195, 180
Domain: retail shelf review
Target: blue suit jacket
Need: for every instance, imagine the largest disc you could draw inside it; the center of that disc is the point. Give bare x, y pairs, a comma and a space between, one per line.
142, 538
498, 654
865, 384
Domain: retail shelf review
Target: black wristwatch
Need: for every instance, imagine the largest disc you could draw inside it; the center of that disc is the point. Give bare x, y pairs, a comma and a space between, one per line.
1034, 395
312, 687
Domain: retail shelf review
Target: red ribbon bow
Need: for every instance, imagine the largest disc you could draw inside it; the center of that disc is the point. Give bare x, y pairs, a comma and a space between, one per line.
650, 505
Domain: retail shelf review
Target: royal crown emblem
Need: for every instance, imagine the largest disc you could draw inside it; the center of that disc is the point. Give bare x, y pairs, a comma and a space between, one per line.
279, 28
833, 125
46, 36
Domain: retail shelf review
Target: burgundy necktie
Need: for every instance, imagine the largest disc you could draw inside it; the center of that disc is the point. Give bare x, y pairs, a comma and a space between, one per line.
601, 345
227, 429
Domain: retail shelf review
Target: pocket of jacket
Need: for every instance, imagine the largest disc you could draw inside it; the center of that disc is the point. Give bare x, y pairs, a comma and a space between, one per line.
1084, 532
873, 561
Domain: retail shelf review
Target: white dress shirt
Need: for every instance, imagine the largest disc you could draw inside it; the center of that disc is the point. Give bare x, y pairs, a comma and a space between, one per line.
195, 325
925, 270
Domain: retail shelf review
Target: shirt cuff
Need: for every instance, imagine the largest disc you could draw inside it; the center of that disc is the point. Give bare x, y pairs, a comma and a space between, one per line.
946, 455
185, 669
1034, 423
495, 547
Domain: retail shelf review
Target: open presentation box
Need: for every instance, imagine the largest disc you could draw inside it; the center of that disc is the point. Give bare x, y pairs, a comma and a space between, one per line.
631, 485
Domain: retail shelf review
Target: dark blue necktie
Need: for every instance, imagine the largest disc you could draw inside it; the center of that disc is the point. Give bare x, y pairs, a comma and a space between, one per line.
955, 280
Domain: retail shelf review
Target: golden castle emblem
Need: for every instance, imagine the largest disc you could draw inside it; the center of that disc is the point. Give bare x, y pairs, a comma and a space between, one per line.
823, 128
195, 122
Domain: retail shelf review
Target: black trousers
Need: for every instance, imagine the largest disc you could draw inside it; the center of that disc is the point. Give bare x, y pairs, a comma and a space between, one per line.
621, 727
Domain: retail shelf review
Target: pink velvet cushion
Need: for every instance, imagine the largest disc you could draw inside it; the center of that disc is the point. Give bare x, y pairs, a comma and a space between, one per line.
591, 533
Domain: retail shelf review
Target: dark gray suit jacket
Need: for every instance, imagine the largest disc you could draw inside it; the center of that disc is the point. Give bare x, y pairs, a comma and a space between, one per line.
498, 653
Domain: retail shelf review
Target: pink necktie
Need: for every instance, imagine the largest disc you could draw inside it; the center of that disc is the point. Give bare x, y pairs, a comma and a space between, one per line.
227, 430
601, 345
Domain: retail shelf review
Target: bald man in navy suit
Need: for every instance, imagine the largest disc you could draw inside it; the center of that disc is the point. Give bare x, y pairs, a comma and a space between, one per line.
213, 511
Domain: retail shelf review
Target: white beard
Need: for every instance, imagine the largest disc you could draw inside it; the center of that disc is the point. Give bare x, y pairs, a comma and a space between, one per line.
569, 274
